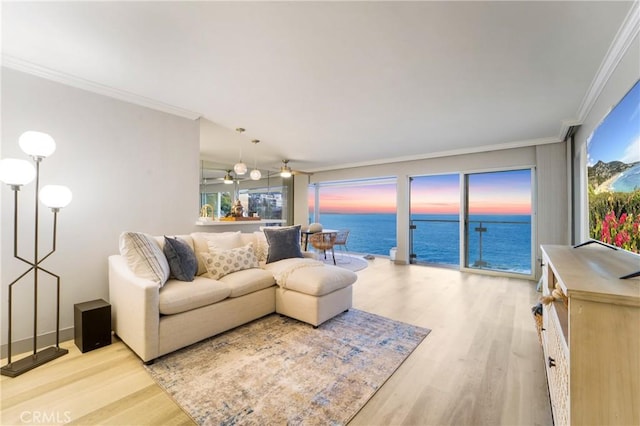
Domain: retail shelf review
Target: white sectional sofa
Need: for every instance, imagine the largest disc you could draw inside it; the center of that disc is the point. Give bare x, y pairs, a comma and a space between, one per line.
154, 313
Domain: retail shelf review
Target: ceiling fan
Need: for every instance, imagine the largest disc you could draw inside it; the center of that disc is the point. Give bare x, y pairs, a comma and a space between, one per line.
210, 175
286, 171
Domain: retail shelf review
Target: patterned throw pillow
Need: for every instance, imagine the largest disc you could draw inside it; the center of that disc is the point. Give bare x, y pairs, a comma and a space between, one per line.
182, 260
204, 241
144, 256
284, 243
223, 262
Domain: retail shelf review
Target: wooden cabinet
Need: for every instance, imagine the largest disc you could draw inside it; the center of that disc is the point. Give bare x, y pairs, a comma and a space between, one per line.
591, 340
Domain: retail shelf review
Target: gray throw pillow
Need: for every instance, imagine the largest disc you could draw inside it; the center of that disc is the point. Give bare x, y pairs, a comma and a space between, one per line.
182, 260
284, 243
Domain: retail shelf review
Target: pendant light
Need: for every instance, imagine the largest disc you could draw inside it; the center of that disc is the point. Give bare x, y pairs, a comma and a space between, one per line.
255, 173
240, 168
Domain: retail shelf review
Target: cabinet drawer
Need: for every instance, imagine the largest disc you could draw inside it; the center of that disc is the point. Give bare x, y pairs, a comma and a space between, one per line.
557, 367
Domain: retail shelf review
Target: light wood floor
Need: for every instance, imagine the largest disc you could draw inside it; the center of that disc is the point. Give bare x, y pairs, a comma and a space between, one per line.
481, 364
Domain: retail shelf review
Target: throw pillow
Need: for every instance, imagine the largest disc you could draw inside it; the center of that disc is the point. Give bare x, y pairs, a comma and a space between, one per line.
220, 240
182, 260
223, 262
144, 256
284, 243
262, 247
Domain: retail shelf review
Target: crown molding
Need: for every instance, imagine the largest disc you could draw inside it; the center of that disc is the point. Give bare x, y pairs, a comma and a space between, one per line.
440, 154
80, 83
566, 127
626, 34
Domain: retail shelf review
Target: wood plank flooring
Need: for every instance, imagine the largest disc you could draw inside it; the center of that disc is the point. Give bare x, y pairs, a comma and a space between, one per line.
481, 364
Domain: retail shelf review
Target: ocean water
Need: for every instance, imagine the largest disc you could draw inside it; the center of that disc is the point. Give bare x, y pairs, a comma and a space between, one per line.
506, 241
628, 181
369, 233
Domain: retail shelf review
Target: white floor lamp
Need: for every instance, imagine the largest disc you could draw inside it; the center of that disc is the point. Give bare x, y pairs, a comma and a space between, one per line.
17, 173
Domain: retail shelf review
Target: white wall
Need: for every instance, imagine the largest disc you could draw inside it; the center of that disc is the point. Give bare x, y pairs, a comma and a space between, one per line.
129, 167
626, 73
551, 197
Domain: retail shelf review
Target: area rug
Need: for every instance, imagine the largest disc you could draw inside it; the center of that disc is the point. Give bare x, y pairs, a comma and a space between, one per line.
278, 371
352, 263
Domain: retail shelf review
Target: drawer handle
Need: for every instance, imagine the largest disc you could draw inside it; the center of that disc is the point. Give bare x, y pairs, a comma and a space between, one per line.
552, 362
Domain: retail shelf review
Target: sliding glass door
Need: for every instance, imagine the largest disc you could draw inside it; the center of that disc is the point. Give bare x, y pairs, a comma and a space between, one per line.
498, 221
495, 213
435, 220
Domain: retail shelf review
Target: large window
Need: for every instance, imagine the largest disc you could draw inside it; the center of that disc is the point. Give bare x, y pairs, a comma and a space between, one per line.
498, 221
366, 207
435, 220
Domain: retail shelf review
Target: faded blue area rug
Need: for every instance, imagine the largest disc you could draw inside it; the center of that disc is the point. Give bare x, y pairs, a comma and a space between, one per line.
277, 370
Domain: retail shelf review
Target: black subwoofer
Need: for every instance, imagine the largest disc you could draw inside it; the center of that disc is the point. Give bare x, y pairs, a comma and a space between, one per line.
92, 323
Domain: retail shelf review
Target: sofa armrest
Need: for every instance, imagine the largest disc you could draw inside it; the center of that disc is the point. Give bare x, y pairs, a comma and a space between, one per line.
135, 309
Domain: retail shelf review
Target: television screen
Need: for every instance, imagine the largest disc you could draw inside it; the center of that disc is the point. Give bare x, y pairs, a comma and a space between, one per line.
613, 175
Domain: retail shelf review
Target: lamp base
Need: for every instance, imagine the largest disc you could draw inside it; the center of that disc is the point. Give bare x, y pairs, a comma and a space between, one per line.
32, 361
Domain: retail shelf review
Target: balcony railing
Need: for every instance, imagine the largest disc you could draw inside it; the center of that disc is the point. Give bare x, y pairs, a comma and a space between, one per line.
498, 245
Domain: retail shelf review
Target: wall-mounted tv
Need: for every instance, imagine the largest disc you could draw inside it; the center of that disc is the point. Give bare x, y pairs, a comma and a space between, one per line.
613, 175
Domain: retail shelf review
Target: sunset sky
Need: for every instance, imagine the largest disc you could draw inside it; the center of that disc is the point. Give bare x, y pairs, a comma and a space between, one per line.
380, 198
489, 193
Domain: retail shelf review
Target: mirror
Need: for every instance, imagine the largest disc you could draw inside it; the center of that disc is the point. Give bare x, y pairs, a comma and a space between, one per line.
265, 198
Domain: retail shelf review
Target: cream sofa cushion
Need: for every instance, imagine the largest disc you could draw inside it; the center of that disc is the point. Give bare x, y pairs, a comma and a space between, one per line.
181, 296
309, 276
247, 237
248, 281
261, 246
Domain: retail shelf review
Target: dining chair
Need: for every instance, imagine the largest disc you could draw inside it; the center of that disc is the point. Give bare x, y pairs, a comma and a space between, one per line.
341, 242
324, 241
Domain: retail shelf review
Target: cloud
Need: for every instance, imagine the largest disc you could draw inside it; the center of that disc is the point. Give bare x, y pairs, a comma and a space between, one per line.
632, 152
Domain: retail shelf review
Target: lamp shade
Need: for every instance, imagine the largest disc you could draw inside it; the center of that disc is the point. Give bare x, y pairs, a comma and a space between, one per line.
37, 144
16, 172
55, 196
240, 168
255, 174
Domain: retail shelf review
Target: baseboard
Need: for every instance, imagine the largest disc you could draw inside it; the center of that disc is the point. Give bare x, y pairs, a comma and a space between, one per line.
44, 340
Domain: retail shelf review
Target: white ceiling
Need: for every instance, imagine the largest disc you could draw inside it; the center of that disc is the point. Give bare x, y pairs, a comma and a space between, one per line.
330, 84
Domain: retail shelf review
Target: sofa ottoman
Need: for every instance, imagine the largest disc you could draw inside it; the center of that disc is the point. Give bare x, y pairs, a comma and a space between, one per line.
311, 295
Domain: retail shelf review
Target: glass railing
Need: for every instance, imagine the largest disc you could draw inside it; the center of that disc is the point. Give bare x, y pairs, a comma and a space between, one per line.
435, 241
497, 243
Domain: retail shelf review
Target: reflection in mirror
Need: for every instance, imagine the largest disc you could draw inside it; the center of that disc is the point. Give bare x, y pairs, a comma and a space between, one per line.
265, 198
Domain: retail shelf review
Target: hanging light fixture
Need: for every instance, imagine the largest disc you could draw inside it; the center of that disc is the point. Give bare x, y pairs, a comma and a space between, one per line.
255, 173
240, 168
285, 170
228, 179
